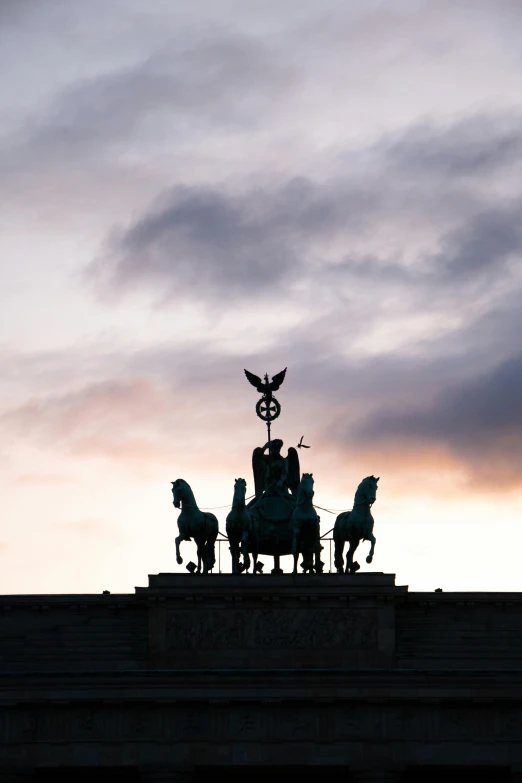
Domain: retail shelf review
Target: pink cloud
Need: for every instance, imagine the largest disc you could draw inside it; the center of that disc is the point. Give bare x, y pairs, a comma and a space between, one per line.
91, 528
50, 479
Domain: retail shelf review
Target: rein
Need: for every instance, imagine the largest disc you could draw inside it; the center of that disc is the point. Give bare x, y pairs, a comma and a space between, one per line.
209, 508
328, 510
343, 511
302, 502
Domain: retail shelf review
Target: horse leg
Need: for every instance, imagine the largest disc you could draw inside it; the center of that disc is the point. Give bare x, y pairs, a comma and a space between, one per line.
245, 566
234, 551
338, 555
352, 567
244, 552
255, 555
306, 550
179, 559
209, 553
295, 551
200, 550
308, 559
372, 540
253, 539
316, 547
318, 563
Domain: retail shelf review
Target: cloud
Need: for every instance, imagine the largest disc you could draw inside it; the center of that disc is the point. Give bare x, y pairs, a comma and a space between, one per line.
405, 413
45, 479
392, 257
142, 423
479, 422
13, 11
98, 140
479, 249
91, 529
209, 242
222, 242
469, 148
221, 82
110, 418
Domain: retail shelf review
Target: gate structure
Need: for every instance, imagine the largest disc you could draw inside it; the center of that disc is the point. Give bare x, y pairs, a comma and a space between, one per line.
196, 678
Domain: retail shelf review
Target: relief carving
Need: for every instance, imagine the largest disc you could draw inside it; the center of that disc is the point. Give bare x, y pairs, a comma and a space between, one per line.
510, 721
190, 725
301, 725
21, 726
457, 723
29, 726
244, 725
400, 722
272, 628
143, 723
87, 723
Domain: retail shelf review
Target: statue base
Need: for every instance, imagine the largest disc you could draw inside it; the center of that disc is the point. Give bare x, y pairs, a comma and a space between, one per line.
267, 621
346, 583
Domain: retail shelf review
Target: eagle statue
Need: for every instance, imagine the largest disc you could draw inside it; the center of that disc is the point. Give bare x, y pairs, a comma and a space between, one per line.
266, 387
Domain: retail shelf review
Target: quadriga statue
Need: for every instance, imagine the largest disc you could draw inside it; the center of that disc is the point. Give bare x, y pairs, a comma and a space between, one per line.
202, 526
305, 529
355, 526
239, 529
277, 481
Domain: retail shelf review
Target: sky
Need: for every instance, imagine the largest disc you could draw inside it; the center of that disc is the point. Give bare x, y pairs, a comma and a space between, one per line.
193, 188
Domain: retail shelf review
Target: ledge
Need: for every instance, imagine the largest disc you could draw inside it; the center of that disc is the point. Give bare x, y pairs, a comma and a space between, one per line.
246, 583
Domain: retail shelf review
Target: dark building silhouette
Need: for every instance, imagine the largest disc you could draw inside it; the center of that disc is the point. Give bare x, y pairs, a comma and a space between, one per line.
199, 678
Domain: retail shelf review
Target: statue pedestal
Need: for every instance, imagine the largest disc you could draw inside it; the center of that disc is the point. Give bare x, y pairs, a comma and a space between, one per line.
251, 584
272, 621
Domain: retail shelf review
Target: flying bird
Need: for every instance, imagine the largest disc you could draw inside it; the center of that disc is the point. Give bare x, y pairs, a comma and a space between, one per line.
301, 445
265, 387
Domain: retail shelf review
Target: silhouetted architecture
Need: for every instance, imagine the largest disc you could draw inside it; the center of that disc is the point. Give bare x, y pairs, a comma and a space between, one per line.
280, 517
335, 677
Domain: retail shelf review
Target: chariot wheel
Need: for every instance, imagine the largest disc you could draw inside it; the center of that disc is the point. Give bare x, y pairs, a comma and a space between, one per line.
268, 409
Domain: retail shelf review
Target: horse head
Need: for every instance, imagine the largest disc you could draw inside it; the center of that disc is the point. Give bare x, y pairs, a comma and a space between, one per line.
239, 489
367, 490
178, 492
306, 486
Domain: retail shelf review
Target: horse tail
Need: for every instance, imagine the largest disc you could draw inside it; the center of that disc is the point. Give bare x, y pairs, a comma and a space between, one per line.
339, 522
212, 525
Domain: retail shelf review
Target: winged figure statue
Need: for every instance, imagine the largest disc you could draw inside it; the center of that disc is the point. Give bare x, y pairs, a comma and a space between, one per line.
273, 473
276, 480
